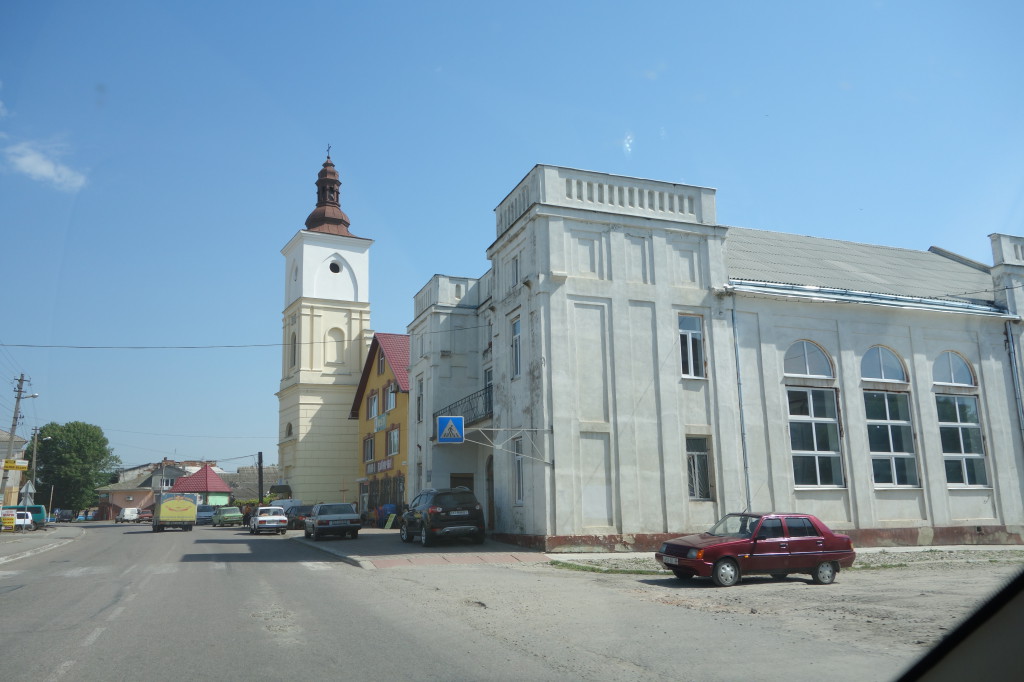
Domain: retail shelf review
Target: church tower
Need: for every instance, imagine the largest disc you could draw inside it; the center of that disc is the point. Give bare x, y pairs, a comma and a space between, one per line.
325, 334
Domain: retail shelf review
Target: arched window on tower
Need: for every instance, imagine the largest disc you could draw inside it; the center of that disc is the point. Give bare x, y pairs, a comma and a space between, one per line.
293, 350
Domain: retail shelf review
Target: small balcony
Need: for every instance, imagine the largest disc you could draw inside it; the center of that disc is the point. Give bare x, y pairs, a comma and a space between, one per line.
473, 408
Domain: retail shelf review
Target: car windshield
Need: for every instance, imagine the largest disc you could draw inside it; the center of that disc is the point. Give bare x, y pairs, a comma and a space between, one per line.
271, 511
299, 511
205, 508
735, 525
337, 509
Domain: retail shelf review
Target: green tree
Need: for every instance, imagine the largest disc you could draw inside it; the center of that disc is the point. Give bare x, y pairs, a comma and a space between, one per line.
75, 458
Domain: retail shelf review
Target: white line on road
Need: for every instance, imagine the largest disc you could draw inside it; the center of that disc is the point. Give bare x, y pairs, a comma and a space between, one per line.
317, 565
115, 613
218, 565
91, 639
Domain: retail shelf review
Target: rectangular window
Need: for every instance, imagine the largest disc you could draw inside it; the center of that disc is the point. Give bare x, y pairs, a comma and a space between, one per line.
814, 436
368, 449
697, 461
520, 483
516, 348
890, 438
389, 397
419, 400
371, 406
380, 363
960, 432
691, 346
393, 441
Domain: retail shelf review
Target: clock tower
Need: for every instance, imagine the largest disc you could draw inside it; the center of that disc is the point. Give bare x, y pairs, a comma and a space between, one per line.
325, 335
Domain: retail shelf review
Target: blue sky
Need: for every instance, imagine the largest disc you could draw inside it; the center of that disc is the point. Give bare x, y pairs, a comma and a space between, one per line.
155, 157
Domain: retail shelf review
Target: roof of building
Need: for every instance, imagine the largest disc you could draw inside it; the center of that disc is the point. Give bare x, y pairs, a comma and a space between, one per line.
19, 442
205, 480
245, 482
396, 353
144, 481
790, 259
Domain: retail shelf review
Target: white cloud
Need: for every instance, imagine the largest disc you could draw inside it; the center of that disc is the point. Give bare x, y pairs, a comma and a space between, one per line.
627, 144
39, 164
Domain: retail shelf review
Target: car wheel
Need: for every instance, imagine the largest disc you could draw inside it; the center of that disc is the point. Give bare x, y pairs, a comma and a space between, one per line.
305, 531
283, 531
316, 535
681, 574
425, 537
780, 576
824, 573
725, 573
478, 538
404, 534
32, 526
355, 535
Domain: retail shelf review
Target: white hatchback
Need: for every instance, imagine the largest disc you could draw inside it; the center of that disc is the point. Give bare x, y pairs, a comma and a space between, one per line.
270, 519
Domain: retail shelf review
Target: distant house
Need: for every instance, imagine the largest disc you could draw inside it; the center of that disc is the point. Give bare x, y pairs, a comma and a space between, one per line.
210, 486
13, 478
138, 491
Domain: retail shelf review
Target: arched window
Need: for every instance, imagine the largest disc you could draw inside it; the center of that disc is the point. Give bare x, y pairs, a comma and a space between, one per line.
808, 360
293, 350
288, 430
882, 364
334, 349
951, 368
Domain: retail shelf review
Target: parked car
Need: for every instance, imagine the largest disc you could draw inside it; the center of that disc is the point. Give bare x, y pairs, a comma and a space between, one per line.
65, 516
204, 514
227, 516
127, 515
444, 512
145, 516
297, 516
23, 521
335, 518
772, 544
268, 519
37, 511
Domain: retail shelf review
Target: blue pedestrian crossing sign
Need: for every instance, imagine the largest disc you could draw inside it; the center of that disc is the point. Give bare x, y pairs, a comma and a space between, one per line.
451, 430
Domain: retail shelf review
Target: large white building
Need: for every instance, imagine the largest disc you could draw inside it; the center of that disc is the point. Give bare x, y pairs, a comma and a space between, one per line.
325, 335
630, 370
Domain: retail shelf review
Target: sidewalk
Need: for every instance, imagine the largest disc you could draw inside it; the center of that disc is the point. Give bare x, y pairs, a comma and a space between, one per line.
15, 546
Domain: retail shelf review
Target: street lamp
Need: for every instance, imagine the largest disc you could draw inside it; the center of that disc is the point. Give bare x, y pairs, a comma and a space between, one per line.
10, 438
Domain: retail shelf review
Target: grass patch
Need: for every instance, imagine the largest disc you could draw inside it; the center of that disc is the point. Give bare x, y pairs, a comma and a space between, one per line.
593, 568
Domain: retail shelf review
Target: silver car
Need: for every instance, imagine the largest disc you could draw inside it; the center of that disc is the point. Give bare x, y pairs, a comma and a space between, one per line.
333, 518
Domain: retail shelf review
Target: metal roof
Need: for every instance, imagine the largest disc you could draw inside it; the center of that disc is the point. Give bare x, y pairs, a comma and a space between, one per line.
790, 259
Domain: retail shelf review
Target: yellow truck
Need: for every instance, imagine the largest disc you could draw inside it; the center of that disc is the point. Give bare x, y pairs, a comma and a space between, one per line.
175, 510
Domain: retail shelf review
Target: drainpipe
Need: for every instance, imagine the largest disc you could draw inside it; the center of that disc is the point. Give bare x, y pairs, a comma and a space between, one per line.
1016, 377
743, 421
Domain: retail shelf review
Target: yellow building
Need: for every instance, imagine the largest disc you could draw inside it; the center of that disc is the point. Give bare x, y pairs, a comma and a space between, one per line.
381, 407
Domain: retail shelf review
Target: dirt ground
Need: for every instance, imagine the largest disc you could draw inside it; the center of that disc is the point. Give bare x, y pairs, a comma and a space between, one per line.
900, 601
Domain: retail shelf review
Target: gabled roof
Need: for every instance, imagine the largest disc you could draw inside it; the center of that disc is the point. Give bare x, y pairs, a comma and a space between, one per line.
205, 480
396, 353
789, 259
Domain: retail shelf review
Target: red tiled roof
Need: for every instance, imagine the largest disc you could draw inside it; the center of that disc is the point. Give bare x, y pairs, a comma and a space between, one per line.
205, 480
396, 350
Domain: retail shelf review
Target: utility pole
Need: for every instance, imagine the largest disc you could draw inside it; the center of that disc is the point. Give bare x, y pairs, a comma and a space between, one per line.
259, 477
10, 436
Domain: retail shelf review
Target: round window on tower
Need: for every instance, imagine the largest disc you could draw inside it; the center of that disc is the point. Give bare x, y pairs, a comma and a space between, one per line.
335, 268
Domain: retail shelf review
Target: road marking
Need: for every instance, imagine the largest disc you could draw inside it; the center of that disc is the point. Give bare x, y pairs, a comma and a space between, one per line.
128, 570
218, 565
131, 595
61, 671
84, 571
317, 565
91, 639
115, 613
8, 574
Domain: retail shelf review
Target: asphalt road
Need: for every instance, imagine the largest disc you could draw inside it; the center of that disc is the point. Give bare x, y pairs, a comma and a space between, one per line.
124, 603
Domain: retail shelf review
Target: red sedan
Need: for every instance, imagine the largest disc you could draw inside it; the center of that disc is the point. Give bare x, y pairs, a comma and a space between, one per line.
772, 544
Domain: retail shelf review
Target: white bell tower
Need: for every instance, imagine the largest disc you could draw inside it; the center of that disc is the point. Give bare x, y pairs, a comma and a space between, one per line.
325, 335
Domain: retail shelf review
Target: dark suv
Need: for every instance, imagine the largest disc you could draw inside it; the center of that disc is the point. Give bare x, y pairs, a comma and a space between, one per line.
447, 512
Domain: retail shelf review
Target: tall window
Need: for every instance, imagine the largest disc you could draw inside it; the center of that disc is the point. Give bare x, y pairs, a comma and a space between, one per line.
516, 347
960, 431
807, 360
371, 406
419, 399
368, 449
814, 436
393, 441
293, 351
691, 345
380, 362
389, 397
890, 438
520, 482
697, 457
